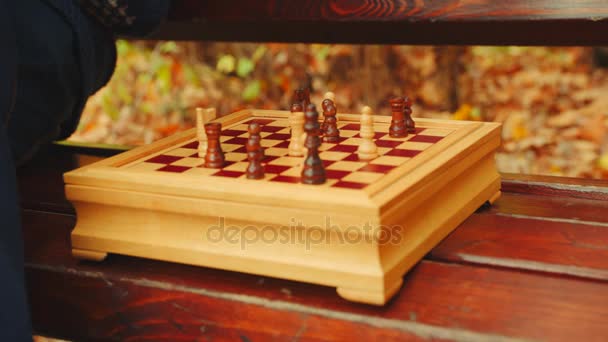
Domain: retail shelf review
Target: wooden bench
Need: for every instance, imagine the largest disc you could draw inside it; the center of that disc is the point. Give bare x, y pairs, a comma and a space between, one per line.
533, 266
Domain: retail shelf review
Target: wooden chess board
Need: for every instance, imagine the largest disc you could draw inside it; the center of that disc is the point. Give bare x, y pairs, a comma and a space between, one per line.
342, 165
360, 231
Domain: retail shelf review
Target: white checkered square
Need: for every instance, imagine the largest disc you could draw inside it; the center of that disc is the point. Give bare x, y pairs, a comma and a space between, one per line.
180, 152
331, 155
189, 162
346, 166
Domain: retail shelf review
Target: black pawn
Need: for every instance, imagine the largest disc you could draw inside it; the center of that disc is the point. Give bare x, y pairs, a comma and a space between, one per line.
302, 95
313, 171
407, 112
329, 129
255, 152
214, 158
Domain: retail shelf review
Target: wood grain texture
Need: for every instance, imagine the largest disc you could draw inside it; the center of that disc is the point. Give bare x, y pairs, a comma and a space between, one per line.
129, 298
511, 282
539, 244
402, 21
556, 186
565, 209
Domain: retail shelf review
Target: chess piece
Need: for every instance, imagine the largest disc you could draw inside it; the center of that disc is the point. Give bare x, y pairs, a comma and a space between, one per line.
302, 96
306, 97
367, 149
313, 171
255, 152
214, 158
330, 131
201, 136
296, 121
203, 116
407, 112
397, 128
330, 96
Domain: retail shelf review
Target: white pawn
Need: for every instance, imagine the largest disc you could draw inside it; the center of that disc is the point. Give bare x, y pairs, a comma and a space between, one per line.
203, 116
330, 95
367, 149
296, 144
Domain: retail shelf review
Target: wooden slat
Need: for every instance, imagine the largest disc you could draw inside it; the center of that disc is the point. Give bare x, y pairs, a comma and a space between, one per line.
558, 235
41, 180
554, 208
556, 186
546, 22
126, 297
569, 247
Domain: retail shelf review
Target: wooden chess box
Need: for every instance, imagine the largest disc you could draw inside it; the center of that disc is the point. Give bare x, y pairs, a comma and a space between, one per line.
360, 231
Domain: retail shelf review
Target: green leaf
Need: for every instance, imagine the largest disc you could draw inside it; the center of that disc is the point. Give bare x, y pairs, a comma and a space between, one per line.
169, 47
122, 47
252, 90
226, 64
164, 78
156, 63
322, 53
144, 79
124, 94
259, 53
146, 108
475, 113
244, 67
108, 106
190, 75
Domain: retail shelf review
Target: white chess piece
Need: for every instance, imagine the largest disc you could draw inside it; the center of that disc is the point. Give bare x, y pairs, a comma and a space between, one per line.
296, 145
367, 149
203, 116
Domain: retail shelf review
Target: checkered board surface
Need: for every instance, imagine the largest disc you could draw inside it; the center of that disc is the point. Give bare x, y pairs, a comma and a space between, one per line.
342, 165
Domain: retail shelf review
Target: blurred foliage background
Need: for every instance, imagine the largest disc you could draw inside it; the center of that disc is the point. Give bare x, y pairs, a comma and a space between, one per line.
551, 100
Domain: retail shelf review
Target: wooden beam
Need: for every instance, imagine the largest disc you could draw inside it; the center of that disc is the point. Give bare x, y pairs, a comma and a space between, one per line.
485, 22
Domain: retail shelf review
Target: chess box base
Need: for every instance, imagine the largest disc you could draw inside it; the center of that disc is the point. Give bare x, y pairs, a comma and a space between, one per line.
299, 232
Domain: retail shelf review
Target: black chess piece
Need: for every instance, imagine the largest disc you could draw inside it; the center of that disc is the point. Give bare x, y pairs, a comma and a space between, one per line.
313, 171
407, 112
398, 128
214, 158
331, 133
255, 152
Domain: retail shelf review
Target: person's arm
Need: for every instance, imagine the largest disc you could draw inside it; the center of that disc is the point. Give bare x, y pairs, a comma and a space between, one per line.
14, 316
67, 57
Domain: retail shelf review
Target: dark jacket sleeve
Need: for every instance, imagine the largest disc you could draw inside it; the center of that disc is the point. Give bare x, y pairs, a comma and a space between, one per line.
14, 317
64, 59
128, 18
147, 14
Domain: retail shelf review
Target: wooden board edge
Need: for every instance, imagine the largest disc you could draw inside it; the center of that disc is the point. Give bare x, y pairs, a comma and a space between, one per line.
309, 196
456, 142
477, 145
278, 213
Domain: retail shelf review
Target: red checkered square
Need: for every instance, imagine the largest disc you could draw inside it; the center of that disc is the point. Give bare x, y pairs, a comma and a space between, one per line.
174, 169
230, 174
425, 138
163, 159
